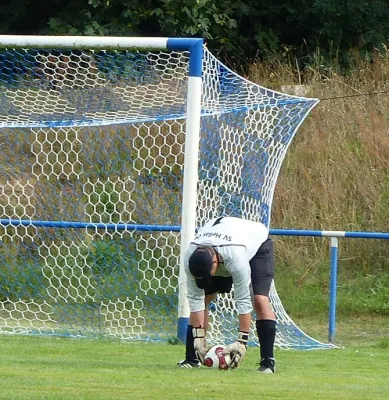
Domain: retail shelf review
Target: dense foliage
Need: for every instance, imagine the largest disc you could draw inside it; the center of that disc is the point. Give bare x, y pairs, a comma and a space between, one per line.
237, 29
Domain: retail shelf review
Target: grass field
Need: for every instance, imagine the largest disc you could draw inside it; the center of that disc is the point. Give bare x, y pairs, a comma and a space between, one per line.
58, 368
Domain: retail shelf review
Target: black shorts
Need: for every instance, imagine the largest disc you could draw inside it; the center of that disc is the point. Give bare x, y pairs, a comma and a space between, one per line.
262, 268
262, 273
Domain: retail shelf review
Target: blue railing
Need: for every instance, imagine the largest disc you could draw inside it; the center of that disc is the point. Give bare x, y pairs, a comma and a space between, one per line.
334, 235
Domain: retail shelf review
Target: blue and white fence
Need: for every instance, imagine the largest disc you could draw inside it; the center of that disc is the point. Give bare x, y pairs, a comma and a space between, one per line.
333, 235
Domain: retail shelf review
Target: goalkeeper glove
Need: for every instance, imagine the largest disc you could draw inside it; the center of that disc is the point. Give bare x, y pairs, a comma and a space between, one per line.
199, 343
237, 350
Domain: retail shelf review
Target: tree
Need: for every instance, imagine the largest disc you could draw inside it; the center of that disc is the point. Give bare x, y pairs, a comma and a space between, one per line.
241, 28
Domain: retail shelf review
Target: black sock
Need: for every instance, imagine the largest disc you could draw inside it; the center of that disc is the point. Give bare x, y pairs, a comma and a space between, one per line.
266, 331
189, 348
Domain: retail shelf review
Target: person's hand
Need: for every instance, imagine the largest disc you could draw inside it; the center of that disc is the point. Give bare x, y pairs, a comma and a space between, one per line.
237, 350
199, 343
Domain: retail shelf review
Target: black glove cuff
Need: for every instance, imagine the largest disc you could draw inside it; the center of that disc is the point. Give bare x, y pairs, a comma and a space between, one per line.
198, 332
243, 337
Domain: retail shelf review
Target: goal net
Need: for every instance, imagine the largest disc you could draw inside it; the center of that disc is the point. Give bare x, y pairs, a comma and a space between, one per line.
92, 152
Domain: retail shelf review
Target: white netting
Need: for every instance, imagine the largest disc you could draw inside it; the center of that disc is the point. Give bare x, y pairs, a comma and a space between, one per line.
98, 137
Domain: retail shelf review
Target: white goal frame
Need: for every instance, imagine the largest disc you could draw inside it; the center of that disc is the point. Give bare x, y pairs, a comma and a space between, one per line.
195, 48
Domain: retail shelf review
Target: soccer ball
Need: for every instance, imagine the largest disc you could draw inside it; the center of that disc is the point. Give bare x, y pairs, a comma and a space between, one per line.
215, 359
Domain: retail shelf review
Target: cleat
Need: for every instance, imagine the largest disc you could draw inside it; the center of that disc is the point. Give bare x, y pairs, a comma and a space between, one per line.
189, 364
267, 366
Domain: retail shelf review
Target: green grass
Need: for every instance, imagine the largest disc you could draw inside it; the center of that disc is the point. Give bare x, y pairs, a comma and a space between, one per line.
56, 368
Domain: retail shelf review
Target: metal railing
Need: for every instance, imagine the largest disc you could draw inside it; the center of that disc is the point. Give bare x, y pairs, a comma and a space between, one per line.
334, 235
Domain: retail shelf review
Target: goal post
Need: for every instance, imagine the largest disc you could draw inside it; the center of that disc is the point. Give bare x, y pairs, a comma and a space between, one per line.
114, 150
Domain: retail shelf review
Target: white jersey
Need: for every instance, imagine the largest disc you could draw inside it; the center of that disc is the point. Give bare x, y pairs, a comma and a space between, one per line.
236, 241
